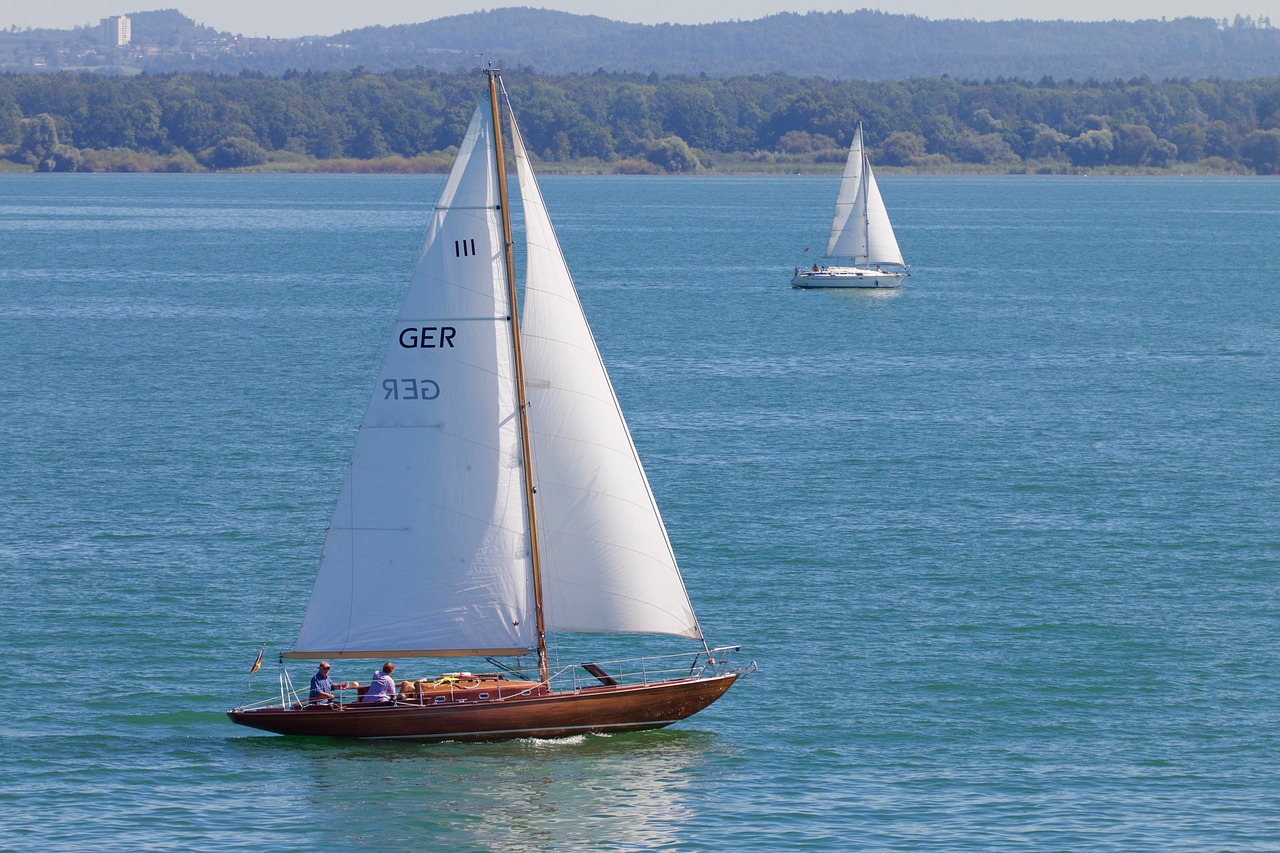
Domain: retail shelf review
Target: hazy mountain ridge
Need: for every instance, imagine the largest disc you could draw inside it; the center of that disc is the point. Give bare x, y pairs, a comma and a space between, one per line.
865, 45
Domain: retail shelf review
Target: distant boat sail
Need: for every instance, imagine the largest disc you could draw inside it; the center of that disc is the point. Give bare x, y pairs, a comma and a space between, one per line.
495, 495
861, 234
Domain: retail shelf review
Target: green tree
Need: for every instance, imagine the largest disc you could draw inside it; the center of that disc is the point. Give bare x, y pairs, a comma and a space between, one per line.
983, 122
674, 155
1133, 144
235, 152
985, 148
689, 112
1091, 148
10, 124
191, 123
39, 139
902, 148
145, 121
1162, 154
1046, 143
1221, 140
369, 143
1260, 151
800, 111
629, 116
803, 142
1190, 139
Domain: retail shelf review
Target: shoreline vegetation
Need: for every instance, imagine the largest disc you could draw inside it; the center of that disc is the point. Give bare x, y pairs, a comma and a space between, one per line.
439, 163
431, 165
624, 124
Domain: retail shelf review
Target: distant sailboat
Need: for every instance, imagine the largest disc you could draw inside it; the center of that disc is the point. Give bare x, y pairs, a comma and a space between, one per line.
861, 234
495, 495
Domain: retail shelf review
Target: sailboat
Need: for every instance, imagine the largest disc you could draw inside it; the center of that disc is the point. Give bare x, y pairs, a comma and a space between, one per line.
495, 496
862, 242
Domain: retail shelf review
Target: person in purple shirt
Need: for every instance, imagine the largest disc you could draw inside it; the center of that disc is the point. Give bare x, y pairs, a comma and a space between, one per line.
383, 687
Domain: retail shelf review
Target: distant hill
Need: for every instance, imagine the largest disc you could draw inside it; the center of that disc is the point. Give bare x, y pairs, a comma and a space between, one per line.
862, 45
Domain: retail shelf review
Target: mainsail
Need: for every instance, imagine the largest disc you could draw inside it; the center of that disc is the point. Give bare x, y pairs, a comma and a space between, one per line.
428, 549
860, 229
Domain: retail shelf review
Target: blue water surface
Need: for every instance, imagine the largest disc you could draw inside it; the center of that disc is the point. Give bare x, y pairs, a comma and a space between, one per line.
1005, 543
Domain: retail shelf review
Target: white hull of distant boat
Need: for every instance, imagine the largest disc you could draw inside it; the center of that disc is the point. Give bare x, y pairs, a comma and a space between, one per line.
862, 243
854, 277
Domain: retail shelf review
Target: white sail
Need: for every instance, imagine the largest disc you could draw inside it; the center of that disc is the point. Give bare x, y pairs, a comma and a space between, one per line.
849, 225
428, 550
860, 229
882, 245
606, 561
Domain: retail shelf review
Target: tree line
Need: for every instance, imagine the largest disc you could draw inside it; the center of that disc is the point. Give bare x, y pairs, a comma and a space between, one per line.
412, 119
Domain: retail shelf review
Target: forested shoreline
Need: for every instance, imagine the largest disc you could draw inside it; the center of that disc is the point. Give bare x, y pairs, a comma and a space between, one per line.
409, 120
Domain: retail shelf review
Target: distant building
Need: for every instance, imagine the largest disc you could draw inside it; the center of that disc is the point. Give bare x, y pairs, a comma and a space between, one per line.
117, 31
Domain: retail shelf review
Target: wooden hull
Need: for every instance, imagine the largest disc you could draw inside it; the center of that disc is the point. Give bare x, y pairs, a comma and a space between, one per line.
553, 715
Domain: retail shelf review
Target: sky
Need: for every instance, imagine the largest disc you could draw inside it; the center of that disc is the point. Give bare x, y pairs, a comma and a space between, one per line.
292, 18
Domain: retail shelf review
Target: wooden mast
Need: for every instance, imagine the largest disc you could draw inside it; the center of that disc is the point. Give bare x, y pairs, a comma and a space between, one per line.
522, 398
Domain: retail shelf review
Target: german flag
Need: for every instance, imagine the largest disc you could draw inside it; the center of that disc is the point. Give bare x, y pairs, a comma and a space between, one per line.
257, 664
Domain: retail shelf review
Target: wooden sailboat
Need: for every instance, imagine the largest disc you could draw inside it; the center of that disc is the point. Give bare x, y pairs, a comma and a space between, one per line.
862, 245
494, 495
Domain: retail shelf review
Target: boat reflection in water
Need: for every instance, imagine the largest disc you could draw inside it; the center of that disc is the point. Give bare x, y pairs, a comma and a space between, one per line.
638, 792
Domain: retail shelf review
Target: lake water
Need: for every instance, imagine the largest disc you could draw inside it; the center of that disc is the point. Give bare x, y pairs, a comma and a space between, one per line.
1005, 544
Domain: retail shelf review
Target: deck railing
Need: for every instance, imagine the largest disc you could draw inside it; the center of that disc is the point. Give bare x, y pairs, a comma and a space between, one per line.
644, 670
625, 672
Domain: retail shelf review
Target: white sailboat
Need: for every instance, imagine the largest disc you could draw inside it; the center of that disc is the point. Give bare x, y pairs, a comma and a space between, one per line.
495, 495
862, 244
